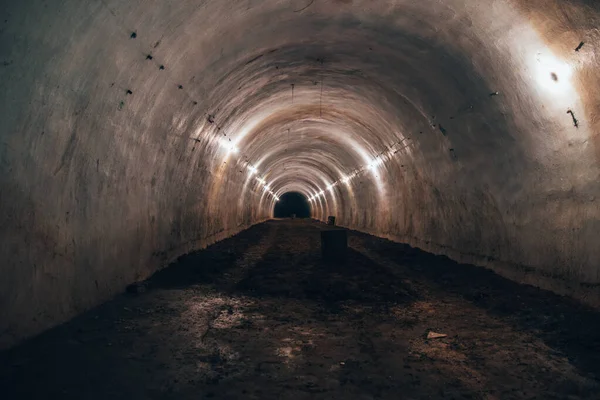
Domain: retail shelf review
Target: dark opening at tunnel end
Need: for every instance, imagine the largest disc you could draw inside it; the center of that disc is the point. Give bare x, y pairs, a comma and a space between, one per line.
292, 204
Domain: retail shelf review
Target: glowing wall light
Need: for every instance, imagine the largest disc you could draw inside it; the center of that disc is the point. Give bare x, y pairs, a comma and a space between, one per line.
229, 146
552, 73
253, 170
375, 163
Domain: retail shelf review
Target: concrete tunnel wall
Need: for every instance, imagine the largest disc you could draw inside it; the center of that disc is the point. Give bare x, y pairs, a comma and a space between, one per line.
133, 132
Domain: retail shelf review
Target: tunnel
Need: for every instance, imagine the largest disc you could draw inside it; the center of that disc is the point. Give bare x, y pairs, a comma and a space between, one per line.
292, 205
135, 133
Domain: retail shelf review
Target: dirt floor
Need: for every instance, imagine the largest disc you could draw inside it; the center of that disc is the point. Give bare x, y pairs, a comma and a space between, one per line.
260, 316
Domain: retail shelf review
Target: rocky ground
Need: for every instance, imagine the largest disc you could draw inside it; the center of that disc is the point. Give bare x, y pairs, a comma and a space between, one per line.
260, 316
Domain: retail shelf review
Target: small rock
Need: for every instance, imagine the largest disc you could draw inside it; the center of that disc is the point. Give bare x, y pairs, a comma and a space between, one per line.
435, 335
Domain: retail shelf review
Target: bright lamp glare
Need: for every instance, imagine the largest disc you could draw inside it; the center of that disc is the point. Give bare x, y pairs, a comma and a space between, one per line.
375, 163
552, 73
229, 146
252, 169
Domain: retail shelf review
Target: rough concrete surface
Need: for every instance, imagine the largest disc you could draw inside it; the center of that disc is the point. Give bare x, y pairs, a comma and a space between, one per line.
260, 316
134, 131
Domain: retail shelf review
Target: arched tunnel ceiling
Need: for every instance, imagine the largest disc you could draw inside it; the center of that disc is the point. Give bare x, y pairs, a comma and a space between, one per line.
137, 130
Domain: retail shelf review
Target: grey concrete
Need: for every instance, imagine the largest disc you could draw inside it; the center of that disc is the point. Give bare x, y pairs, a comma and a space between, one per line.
111, 165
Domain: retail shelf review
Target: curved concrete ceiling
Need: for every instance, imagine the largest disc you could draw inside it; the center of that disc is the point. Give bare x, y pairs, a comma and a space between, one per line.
136, 131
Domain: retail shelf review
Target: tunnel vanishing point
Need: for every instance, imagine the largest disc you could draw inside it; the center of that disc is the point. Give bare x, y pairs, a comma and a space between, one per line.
134, 132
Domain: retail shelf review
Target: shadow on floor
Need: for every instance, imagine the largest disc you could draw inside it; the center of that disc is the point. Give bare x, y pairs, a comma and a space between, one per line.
207, 265
308, 277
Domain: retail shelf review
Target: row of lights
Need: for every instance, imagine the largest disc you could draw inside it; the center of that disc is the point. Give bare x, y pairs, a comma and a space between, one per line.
266, 187
233, 149
371, 166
